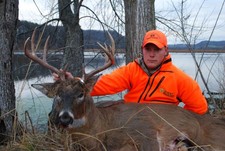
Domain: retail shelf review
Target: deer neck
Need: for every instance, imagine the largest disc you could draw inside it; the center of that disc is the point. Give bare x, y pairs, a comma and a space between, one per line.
92, 117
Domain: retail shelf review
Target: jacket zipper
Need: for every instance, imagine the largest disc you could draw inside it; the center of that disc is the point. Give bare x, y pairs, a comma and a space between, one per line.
144, 90
161, 80
151, 85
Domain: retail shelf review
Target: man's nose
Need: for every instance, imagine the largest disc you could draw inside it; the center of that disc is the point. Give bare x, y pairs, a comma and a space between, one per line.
151, 52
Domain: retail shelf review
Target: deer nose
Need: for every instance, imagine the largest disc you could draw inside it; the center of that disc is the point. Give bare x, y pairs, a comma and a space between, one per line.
65, 119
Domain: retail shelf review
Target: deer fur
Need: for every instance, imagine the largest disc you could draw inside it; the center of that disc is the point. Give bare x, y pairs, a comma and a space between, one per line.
128, 126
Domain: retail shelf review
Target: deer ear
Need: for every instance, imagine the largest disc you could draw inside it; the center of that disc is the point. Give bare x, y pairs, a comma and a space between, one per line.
46, 88
90, 82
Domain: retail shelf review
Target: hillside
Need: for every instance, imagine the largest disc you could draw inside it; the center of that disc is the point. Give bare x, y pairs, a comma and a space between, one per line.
57, 36
203, 45
91, 37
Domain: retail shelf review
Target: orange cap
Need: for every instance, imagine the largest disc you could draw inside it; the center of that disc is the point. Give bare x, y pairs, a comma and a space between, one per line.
155, 37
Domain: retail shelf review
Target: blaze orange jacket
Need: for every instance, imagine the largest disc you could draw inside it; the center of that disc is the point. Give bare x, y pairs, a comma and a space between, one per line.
168, 85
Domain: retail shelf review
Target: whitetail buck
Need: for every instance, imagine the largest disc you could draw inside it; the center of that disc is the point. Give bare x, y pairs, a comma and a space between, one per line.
122, 126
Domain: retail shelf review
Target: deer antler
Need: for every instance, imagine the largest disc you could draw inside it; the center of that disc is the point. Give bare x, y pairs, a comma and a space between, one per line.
109, 57
32, 55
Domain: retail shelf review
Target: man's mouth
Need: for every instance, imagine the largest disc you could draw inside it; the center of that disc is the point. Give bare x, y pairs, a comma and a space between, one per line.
152, 61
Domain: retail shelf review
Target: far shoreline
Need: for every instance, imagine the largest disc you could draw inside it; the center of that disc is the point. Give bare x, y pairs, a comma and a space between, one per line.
123, 51
197, 51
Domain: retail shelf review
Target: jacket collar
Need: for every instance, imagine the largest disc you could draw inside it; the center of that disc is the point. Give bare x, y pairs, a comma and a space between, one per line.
141, 63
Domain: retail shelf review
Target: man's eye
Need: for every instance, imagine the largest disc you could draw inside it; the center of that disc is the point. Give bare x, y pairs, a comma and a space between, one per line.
157, 49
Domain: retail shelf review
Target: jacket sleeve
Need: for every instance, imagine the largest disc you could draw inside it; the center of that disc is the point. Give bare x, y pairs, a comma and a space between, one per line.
112, 83
191, 95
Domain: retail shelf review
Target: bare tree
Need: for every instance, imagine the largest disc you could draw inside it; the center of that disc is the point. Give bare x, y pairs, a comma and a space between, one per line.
188, 26
139, 18
8, 18
73, 54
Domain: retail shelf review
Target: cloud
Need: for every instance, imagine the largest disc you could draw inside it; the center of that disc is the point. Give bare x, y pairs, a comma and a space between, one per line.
203, 20
35, 13
210, 10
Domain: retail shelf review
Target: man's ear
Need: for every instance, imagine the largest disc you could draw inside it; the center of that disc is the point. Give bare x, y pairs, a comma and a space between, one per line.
167, 51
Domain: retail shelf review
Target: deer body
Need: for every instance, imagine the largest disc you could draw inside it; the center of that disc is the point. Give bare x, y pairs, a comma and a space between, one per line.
128, 126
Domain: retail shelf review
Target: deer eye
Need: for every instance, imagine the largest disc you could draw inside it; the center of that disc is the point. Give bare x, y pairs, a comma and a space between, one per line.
58, 99
81, 95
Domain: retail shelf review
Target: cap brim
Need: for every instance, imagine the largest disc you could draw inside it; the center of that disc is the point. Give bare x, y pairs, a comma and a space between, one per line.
159, 45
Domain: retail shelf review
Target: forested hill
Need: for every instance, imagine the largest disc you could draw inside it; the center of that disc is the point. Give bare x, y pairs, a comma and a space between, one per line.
58, 36
205, 45
91, 37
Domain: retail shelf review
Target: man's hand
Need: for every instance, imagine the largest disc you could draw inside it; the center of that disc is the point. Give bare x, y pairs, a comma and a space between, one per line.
68, 75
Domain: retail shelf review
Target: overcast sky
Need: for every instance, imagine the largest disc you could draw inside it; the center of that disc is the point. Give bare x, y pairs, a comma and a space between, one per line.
210, 10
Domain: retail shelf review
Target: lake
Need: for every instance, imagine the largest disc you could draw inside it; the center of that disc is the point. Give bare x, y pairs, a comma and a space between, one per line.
38, 105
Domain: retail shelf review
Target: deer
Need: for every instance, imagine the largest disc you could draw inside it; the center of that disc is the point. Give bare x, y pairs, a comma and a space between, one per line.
118, 126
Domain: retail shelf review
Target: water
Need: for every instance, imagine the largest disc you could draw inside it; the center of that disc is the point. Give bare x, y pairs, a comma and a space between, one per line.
32, 101
38, 105
212, 67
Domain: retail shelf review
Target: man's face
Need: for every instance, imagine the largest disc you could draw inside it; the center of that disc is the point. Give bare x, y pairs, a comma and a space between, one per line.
153, 56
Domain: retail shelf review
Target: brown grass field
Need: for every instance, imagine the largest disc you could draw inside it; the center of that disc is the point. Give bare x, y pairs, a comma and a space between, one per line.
30, 139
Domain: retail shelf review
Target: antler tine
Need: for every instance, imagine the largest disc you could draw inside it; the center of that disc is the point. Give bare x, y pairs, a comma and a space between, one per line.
45, 49
32, 39
110, 60
32, 55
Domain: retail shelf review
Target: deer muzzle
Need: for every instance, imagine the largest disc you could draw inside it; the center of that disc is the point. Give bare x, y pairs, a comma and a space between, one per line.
66, 118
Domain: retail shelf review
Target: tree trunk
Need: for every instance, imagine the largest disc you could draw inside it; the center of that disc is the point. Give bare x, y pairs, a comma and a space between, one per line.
73, 52
139, 18
8, 20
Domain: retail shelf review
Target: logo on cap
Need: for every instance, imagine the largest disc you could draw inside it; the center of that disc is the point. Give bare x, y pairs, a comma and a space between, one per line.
153, 36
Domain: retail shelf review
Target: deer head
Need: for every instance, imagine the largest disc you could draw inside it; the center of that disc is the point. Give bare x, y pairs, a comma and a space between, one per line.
71, 97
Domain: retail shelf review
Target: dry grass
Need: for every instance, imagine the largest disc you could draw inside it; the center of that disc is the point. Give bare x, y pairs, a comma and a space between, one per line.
57, 140
41, 142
